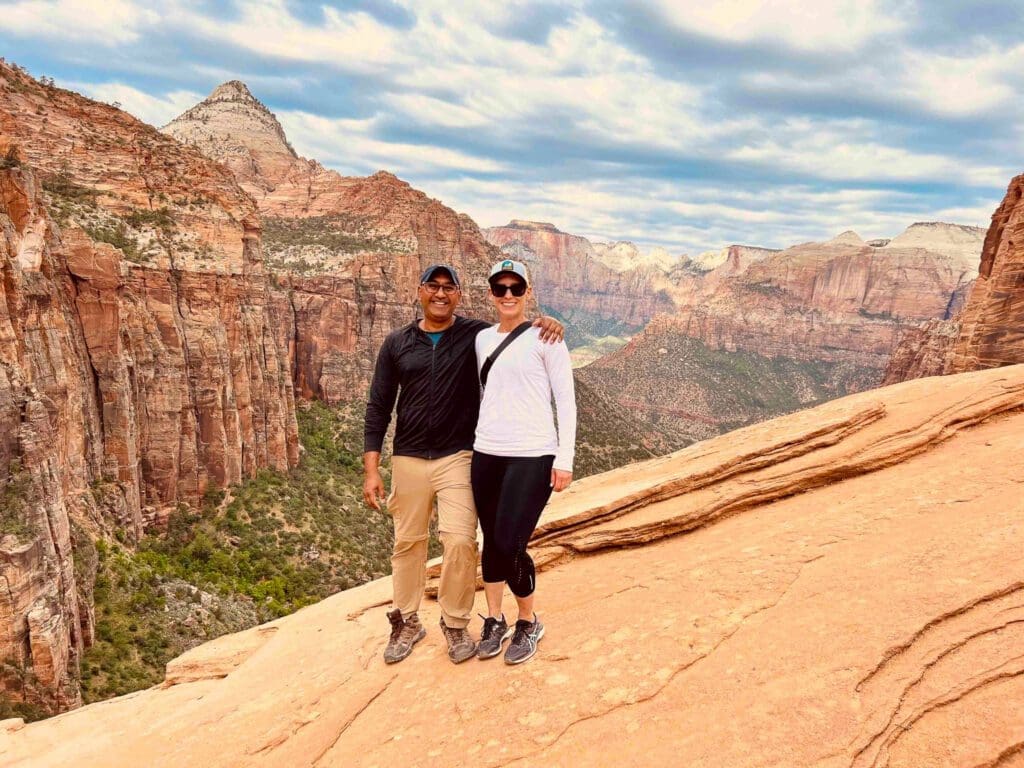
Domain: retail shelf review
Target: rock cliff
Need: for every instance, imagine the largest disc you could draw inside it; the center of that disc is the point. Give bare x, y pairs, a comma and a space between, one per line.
574, 280
992, 323
346, 251
140, 358
986, 323
827, 588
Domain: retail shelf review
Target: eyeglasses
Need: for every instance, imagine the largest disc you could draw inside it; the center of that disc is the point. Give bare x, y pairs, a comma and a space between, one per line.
498, 289
446, 288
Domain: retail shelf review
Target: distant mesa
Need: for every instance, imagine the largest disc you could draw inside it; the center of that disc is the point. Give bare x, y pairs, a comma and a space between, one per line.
957, 241
534, 226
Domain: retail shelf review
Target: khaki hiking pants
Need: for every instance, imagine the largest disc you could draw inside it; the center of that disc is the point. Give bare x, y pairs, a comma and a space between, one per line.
414, 485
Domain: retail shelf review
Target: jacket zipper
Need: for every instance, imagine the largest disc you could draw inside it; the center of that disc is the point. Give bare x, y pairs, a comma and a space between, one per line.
433, 354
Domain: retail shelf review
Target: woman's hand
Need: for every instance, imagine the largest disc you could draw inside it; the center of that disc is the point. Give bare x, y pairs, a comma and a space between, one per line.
551, 330
560, 479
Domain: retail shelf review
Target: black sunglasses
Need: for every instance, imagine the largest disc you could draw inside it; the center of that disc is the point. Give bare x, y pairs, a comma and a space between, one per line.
498, 290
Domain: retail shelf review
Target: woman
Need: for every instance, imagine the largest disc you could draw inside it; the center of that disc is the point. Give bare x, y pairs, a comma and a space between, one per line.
518, 458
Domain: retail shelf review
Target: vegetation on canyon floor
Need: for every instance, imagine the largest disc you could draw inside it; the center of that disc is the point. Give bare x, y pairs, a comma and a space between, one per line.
314, 244
263, 549
690, 391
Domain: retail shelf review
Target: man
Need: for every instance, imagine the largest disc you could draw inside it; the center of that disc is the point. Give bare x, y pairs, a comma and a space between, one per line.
430, 366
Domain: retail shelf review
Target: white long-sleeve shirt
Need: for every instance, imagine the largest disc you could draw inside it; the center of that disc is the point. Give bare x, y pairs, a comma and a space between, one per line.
515, 413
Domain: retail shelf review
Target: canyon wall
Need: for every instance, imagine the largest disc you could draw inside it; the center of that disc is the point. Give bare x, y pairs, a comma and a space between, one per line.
992, 323
142, 359
574, 280
986, 326
767, 332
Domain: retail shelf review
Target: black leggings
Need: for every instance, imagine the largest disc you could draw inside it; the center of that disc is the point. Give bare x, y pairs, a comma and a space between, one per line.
510, 492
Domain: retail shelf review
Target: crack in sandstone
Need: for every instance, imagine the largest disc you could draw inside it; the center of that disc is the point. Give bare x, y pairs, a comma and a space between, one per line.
668, 681
297, 725
358, 613
952, 696
1012, 751
917, 680
898, 650
348, 723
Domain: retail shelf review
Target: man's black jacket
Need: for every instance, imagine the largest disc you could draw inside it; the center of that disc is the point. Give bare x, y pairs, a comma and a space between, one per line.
440, 393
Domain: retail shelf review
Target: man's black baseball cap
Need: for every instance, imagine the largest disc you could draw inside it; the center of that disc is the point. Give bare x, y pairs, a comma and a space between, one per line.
429, 273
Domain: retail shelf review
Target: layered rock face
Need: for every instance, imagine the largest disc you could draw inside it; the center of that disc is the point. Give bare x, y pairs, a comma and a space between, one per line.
992, 323
827, 588
141, 358
347, 252
573, 279
765, 332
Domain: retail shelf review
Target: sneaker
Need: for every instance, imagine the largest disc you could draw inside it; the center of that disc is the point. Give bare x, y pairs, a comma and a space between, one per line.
494, 633
460, 644
524, 641
405, 633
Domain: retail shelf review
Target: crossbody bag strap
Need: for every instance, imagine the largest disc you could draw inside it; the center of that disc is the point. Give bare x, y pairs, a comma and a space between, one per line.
515, 334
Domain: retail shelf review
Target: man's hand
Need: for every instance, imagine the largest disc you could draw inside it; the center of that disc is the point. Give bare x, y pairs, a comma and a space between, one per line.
551, 330
373, 484
373, 489
560, 479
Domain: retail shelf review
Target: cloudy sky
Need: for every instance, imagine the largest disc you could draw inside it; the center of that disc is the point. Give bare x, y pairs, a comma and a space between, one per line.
686, 125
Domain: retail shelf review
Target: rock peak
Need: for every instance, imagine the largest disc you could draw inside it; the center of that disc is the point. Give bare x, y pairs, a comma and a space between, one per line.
849, 237
233, 90
231, 122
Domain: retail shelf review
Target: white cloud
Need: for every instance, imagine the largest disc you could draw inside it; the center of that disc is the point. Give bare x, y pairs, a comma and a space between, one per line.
824, 25
660, 213
107, 22
851, 150
155, 110
351, 41
961, 85
350, 146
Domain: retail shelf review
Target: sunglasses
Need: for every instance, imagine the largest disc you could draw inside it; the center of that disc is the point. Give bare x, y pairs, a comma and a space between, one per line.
498, 290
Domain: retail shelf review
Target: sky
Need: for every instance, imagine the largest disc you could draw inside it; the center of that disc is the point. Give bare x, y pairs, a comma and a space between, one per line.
688, 126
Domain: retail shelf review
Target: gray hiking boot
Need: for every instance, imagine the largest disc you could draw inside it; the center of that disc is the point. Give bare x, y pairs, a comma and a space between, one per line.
405, 633
524, 641
493, 635
460, 644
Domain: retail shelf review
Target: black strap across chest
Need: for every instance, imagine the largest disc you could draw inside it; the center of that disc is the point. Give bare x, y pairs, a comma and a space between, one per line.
515, 334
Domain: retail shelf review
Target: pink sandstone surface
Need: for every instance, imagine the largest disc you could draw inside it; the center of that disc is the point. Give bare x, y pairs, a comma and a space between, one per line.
833, 588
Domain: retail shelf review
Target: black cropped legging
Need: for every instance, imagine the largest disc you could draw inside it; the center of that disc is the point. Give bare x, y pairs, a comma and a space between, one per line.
510, 492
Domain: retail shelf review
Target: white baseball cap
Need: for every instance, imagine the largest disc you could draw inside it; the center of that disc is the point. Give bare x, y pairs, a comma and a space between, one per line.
509, 267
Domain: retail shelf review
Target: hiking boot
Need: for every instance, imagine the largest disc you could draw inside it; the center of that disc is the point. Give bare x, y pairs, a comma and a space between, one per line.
460, 644
494, 633
405, 633
524, 641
